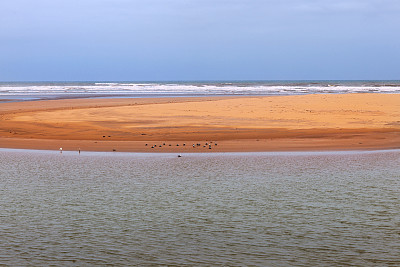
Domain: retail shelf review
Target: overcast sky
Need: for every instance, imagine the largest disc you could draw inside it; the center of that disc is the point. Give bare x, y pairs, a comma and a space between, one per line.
148, 40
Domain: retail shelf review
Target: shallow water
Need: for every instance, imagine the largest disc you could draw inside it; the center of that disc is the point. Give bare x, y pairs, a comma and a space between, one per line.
234, 209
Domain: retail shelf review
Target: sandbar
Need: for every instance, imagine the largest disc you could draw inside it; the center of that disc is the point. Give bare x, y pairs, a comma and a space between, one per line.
212, 124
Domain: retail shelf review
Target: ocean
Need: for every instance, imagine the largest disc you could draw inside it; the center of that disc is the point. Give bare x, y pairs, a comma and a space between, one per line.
17, 91
228, 209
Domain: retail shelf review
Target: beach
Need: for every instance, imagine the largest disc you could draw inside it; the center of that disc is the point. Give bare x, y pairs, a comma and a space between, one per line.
364, 121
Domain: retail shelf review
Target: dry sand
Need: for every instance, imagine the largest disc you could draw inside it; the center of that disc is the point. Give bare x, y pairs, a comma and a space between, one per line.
274, 123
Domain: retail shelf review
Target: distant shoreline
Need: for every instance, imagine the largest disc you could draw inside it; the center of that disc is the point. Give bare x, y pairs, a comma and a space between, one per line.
321, 122
26, 91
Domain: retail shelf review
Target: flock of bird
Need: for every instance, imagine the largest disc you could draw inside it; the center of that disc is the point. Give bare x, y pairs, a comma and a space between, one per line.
207, 144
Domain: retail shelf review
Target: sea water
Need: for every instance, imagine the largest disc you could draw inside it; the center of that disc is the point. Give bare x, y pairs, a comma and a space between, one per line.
15, 91
231, 209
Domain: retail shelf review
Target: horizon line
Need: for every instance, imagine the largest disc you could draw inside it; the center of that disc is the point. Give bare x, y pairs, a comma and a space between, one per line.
171, 81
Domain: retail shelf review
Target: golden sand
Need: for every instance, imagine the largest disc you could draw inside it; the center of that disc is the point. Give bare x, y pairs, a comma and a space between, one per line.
270, 123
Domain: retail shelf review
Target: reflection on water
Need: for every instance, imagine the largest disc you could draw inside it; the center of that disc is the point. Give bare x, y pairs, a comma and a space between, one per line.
310, 209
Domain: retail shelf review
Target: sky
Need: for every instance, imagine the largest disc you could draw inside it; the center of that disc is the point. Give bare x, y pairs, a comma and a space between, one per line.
174, 40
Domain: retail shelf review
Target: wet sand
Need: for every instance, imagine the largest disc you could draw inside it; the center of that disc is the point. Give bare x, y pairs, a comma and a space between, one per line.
270, 123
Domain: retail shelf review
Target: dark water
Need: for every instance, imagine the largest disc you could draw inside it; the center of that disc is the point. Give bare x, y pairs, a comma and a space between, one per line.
243, 209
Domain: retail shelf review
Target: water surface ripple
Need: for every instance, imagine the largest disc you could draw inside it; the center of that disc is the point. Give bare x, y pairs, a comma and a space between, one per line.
253, 209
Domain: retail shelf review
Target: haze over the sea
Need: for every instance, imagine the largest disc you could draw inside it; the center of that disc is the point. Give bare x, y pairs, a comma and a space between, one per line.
120, 40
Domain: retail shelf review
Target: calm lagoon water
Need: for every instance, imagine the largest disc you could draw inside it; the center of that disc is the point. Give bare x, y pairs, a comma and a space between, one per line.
232, 209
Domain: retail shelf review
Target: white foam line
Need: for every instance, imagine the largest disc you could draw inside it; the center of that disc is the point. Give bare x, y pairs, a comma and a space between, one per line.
115, 88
